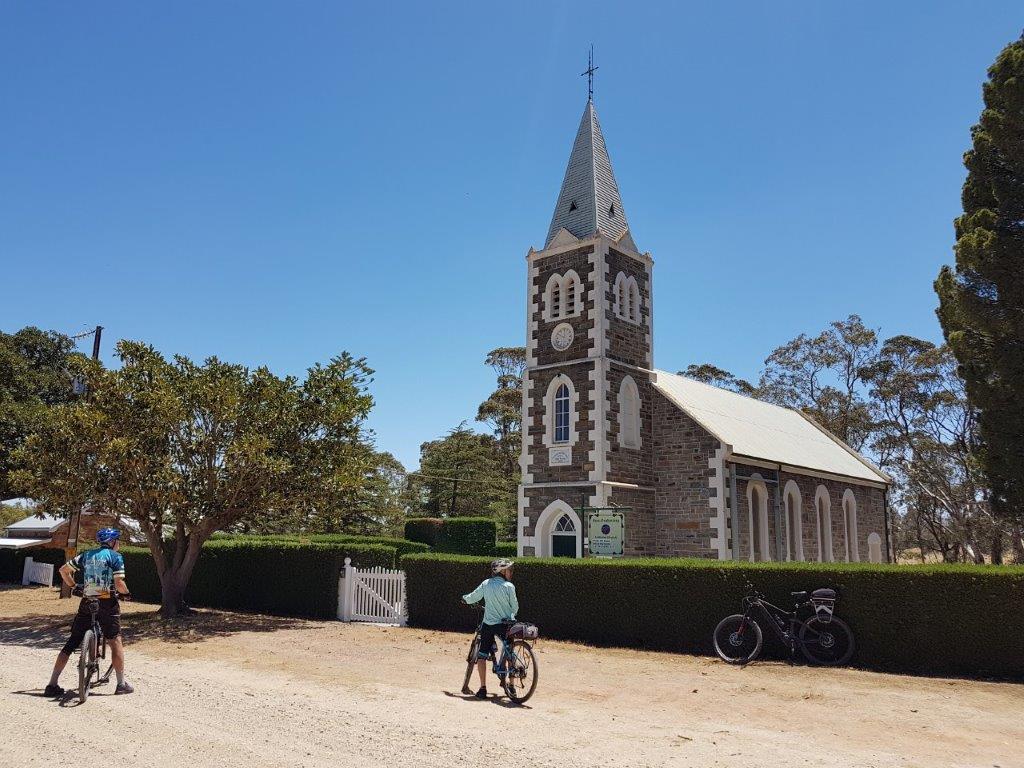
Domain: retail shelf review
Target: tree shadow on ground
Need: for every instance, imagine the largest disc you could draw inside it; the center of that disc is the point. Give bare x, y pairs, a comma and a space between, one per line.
46, 630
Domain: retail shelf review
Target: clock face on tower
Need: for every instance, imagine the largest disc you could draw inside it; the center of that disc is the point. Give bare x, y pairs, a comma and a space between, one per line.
562, 337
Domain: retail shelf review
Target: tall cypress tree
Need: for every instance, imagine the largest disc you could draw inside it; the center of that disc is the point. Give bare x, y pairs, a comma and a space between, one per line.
981, 302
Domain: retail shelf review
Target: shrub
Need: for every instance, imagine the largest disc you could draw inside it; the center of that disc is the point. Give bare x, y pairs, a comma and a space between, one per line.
941, 619
12, 562
467, 536
505, 549
402, 546
277, 577
423, 529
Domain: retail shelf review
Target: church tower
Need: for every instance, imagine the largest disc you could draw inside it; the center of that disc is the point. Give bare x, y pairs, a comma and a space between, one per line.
587, 392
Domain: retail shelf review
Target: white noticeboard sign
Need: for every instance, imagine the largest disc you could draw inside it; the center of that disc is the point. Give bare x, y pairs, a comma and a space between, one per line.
606, 531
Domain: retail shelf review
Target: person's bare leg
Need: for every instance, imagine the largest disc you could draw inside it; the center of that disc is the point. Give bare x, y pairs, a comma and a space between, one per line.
117, 656
58, 666
481, 668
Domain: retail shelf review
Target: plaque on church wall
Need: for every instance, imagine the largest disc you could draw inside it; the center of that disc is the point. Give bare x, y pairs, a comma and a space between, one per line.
562, 337
559, 456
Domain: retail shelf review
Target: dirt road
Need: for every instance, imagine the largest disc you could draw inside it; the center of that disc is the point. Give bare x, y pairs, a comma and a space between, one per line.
237, 690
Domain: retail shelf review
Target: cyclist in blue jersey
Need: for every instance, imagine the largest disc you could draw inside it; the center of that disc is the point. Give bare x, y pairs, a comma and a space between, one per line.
98, 573
500, 606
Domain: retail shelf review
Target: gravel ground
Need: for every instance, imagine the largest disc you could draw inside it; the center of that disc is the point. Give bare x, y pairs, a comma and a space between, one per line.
228, 689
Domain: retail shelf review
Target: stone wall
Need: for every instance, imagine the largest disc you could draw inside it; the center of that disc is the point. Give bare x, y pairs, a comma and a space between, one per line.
560, 263
627, 341
683, 453
870, 503
630, 465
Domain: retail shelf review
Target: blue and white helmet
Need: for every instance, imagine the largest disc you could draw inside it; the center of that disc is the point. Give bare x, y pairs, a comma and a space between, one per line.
108, 535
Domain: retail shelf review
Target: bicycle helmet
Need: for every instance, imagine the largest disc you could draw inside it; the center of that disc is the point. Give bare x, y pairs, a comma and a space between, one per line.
497, 566
108, 535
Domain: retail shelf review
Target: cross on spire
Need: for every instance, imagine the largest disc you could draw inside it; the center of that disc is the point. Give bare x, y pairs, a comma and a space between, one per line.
589, 72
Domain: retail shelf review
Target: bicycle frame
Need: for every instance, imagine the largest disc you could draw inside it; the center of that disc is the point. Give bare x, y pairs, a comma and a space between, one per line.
777, 619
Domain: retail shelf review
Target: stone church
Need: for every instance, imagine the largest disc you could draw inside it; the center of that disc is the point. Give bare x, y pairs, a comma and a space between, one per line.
697, 470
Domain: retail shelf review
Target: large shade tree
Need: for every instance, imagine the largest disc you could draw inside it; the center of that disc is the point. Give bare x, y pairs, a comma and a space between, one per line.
187, 449
981, 300
34, 376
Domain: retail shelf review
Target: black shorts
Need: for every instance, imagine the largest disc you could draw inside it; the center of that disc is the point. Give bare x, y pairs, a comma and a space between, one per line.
488, 633
108, 617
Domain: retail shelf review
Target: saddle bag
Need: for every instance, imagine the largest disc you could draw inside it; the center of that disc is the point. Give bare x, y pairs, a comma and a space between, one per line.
824, 602
522, 631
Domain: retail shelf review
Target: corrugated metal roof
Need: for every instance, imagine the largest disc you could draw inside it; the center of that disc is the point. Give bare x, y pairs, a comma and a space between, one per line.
33, 523
764, 431
22, 543
589, 200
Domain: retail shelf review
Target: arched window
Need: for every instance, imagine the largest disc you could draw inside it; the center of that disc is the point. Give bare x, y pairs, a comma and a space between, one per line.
850, 527
572, 290
633, 314
823, 512
553, 298
757, 506
565, 524
621, 296
562, 414
629, 414
559, 418
874, 548
794, 522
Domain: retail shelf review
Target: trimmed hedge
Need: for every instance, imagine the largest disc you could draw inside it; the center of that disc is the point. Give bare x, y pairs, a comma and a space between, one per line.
505, 549
401, 546
12, 562
423, 529
467, 536
941, 619
276, 577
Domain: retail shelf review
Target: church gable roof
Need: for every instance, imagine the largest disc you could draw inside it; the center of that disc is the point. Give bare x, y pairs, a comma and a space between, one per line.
761, 430
589, 201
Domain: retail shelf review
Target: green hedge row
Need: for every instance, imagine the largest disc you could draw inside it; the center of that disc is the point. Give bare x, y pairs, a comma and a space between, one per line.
277, 577
12, 562
505, 549
401, 546
423, 529
943, 619
467, 536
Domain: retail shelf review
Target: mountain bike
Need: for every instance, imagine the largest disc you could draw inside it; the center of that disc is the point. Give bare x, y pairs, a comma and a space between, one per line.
822, 637
516, 667
94, 648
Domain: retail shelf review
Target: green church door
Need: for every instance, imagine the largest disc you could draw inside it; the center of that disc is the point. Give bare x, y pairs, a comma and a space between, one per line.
563, 546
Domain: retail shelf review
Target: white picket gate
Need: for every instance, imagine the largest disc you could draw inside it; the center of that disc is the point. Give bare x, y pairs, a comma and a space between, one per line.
36, 573
376, 595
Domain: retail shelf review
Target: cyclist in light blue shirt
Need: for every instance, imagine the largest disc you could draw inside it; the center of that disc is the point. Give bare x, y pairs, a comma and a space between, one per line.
500, 607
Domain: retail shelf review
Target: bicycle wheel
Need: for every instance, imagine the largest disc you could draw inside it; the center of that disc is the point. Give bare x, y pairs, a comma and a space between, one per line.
521, 679
738, 640
828, 643
86, 662
471, 660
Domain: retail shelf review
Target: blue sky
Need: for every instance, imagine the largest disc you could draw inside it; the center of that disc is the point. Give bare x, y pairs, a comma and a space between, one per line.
276, 182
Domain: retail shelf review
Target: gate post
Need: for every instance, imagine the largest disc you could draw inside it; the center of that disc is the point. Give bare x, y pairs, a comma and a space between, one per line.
25, 574
348, 584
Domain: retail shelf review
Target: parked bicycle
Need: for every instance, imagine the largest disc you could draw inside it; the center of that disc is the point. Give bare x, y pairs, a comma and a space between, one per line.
516, 666
94, 649
822, 637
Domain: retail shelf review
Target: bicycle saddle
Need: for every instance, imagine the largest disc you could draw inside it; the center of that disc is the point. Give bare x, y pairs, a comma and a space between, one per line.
799, 595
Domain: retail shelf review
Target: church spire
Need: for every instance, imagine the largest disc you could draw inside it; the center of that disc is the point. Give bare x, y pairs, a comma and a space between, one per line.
589, 201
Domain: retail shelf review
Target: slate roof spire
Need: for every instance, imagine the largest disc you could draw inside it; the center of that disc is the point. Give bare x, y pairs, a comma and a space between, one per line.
589, 201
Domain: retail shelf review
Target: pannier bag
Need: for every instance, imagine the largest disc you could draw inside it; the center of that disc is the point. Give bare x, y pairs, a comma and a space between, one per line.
824, 602
522, 631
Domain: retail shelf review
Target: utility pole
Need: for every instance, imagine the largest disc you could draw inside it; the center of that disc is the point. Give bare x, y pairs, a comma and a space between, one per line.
75, 521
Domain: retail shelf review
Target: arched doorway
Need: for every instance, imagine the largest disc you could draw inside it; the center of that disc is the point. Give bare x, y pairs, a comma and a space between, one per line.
559, 532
